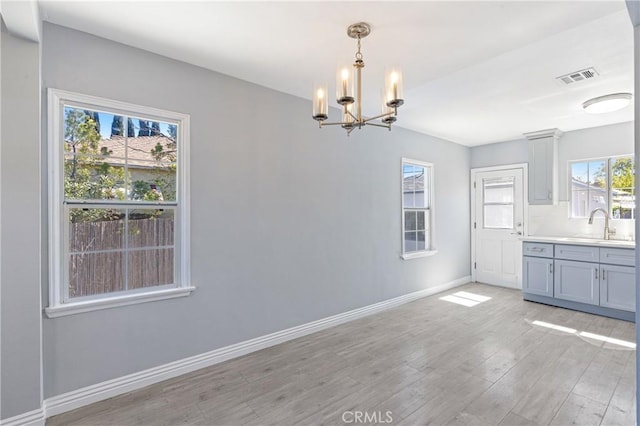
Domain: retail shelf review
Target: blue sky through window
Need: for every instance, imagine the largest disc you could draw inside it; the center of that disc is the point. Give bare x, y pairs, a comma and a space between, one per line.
106, 120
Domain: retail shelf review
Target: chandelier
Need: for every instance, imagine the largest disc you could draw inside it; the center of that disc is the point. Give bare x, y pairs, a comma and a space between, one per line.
350, 81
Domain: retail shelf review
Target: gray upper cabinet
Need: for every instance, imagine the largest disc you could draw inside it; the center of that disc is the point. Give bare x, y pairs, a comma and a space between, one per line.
543, 166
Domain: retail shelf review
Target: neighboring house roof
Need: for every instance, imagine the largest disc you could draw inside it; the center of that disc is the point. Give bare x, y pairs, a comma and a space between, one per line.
579, 185
139, 150
410, 184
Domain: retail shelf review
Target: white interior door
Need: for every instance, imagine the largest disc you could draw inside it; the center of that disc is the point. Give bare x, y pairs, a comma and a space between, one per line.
498, 225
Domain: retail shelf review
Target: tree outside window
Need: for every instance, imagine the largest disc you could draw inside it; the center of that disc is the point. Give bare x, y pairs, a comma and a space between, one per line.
607, 183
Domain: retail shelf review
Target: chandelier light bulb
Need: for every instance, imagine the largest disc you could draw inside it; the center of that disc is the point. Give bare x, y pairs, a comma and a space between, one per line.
320, 104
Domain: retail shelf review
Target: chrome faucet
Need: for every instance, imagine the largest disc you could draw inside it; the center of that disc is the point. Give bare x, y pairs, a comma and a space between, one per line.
607, 231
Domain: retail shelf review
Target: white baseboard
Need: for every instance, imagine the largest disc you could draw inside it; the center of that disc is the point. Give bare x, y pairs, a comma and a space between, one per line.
31, 418
100, 391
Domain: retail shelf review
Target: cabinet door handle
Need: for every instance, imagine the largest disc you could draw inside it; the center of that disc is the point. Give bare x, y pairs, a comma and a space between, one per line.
596, 271
550, 268
603, 276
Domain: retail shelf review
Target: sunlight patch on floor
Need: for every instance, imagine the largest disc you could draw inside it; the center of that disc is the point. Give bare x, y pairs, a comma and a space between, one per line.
555, 327
465, 298
607, 339
585, 334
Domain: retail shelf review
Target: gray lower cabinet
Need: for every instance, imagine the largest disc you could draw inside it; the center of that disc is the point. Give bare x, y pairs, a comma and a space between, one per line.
577, 281
599, 280
537, 276
618, 287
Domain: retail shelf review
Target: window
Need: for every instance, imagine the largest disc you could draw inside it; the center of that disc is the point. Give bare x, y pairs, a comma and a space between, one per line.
498, 202
118, 203
607, 183
417, 215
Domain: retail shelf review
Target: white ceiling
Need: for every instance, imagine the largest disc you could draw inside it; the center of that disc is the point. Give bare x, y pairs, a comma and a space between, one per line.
475, 72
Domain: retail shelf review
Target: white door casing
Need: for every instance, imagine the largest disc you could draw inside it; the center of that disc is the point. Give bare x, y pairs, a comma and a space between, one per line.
498, 222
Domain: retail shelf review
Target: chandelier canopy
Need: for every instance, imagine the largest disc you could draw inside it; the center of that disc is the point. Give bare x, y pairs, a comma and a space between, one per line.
349, 92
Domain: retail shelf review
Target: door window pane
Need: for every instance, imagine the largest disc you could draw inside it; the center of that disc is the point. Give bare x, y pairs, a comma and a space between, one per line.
500, 190
498, 200
498, 216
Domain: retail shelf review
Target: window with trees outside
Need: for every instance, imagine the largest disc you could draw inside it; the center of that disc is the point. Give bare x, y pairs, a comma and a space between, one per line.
118, 203
607, 183
417, 213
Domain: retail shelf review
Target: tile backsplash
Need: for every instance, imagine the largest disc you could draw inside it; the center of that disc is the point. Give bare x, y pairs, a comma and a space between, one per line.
555, 221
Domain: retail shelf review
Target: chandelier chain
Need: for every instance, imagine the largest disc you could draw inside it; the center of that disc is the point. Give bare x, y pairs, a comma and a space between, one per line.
358, 53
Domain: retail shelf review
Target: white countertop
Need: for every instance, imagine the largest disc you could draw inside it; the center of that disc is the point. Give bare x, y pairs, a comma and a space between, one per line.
581, 241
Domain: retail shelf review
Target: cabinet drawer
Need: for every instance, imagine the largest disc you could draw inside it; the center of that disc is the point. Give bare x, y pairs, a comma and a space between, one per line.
582, 253
537, 249
618, 256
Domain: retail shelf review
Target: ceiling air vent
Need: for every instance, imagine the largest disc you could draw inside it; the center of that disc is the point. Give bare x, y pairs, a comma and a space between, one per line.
578, 76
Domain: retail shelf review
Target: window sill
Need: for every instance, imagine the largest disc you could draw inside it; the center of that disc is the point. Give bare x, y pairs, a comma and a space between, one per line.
94, 305
418, 254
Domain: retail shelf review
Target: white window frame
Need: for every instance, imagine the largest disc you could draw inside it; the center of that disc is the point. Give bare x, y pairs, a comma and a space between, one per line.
431, 240
58, 247
609, 199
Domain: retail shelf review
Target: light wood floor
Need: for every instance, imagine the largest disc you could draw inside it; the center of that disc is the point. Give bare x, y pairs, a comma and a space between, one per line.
427, 362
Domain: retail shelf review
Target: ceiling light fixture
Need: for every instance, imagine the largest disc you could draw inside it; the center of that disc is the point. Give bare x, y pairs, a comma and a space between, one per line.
349, 80
607, 103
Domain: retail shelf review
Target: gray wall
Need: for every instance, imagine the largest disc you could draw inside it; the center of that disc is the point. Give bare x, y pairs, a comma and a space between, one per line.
20, 313
594, 142
500, 154
289, 223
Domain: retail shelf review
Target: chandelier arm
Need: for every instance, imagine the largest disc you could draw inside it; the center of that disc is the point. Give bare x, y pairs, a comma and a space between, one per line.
386, 126
386, 114
353, 116
336, 123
